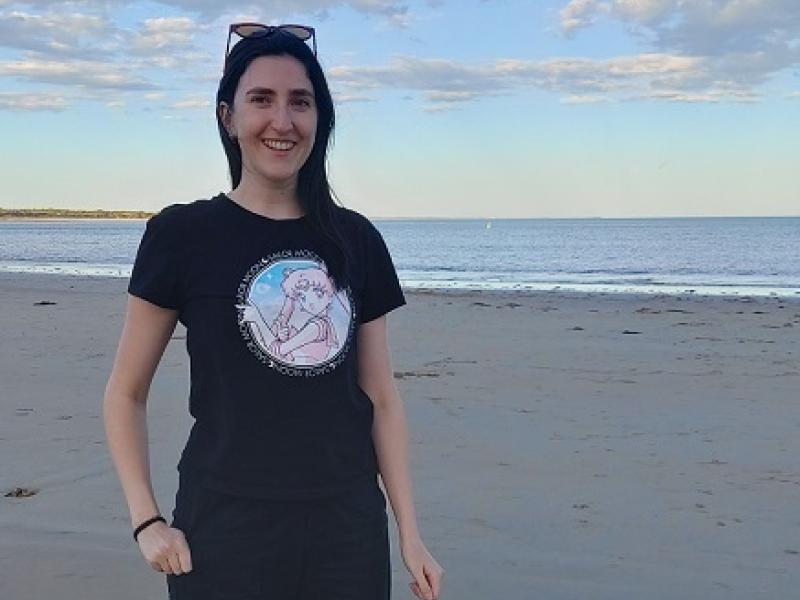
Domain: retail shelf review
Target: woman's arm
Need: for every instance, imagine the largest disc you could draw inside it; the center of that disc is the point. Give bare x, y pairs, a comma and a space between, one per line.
145, 335
390, 434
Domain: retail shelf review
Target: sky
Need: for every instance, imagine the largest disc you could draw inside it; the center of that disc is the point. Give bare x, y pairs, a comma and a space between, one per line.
444, 108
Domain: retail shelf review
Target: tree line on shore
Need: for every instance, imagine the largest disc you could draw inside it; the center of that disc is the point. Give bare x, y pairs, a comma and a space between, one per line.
68, 213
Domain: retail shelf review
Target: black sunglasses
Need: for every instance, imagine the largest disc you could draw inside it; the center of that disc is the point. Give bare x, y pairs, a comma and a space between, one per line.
254, 30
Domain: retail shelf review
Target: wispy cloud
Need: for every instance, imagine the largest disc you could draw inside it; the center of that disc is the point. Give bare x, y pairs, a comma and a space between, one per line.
54, 34
82, 74
583, 99
396, 13
191, 103
164, 33
33, 101
350, 98
448, 97
440, 108
650, 76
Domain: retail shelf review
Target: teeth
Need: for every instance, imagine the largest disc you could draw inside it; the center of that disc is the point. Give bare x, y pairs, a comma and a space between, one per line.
277, 145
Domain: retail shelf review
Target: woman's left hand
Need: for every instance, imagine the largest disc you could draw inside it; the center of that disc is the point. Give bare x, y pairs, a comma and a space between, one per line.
426, 571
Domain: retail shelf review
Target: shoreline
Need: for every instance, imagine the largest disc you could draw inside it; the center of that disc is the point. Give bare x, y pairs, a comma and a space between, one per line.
120, 272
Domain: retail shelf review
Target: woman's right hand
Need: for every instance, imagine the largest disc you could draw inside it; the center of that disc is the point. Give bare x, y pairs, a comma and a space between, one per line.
165, 549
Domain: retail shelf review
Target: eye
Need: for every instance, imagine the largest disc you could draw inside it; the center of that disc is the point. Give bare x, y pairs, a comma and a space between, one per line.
303, 102
257, 98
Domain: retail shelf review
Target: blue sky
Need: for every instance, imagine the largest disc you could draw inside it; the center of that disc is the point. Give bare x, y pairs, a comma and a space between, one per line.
477, 108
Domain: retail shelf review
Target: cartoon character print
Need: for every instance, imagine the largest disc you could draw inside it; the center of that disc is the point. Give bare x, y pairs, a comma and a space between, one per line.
291, 315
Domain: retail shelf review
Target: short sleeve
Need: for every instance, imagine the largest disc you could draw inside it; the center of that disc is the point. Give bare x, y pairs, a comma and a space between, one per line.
382, 291
155, 270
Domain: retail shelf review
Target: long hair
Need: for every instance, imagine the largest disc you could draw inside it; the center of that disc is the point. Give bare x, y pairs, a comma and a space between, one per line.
313, 190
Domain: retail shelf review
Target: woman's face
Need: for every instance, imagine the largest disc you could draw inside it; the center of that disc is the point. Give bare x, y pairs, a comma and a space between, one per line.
274, 118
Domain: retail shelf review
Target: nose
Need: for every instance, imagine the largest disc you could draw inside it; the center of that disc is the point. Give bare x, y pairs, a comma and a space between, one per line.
282, 119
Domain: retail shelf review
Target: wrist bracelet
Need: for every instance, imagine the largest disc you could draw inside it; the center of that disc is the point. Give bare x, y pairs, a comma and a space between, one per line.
146, 523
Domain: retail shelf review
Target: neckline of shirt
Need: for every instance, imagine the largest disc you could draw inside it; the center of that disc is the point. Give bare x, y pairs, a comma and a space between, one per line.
256, 216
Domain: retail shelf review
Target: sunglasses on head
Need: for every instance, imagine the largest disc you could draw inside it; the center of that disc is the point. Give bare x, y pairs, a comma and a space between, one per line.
255, 30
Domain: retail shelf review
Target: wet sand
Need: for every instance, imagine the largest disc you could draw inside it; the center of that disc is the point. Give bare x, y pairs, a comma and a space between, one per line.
562, 445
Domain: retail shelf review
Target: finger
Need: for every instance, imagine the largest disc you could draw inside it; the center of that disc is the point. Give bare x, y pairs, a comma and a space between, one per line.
435, 579
185, 556
175, 562
173, 565
423, 586
415, 588
163, 566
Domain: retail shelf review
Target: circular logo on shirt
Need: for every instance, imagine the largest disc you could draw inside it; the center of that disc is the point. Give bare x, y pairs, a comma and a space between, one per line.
290, 315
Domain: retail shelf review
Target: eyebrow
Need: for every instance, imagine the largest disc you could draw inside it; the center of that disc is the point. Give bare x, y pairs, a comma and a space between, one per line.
295, 92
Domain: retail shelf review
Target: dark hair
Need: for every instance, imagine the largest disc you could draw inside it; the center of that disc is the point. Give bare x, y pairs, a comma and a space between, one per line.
313, 190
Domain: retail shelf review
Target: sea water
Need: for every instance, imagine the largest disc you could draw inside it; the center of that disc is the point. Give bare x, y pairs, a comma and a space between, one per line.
712, 255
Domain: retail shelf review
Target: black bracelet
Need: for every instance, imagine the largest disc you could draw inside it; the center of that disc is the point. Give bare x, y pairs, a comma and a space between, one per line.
145, 524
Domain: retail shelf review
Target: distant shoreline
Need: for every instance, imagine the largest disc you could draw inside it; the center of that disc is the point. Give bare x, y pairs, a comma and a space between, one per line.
66, 213
62, 213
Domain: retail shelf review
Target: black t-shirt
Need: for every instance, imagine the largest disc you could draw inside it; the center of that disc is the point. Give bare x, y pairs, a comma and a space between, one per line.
272, 347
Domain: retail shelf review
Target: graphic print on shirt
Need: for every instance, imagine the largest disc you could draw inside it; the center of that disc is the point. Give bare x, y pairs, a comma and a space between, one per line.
290, 315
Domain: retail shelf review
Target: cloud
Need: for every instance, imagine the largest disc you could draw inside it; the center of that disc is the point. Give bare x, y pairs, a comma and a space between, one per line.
704, 27
55, 34
32, 101
580, 13
164, 33
166, 43
91, 53
83, 74
410, 72
741, 44
711, 96
351, 98
583, 99
449, 97
439, 108
191, 103
395, 13
648, 76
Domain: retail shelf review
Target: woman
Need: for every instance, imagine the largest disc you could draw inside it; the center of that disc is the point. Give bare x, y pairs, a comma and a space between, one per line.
278, 492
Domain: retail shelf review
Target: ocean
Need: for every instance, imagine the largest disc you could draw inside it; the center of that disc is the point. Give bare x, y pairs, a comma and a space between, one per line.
757, 256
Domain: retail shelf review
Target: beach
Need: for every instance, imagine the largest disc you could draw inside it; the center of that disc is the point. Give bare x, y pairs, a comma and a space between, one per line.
563, 445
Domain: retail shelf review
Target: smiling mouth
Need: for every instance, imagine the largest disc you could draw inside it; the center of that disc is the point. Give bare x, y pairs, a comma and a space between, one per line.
279, 145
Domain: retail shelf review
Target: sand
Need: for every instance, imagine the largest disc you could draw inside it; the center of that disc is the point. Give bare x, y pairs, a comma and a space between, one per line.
562, 445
